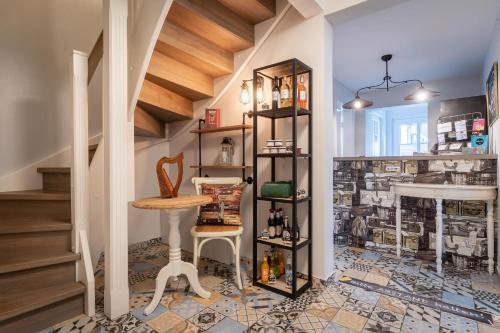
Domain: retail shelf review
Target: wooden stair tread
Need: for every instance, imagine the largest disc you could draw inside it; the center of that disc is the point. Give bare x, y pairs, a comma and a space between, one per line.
12, 263
179, 77
146, 124
53, 170
15, 304
20, 225
194, 51
164, 104
253, 11
213, 21
34, 195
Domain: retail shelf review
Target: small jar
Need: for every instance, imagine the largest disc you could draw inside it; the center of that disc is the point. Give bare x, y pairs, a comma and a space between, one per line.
289, 143
282, 150
270, 143
266, 150
278, 143
274, 150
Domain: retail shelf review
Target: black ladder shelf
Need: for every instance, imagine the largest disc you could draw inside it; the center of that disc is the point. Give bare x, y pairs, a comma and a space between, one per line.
291, 68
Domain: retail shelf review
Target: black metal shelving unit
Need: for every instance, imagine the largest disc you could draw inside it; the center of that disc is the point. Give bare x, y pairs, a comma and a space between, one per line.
293, 68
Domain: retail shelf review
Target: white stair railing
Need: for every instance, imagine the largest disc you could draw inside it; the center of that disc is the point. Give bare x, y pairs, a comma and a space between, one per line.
80, 178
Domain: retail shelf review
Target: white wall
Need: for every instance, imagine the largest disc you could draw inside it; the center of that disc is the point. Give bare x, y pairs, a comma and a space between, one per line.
345, 144
449, 88
37, 39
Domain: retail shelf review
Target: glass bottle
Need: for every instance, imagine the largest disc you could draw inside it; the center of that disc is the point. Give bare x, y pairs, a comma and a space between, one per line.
286, 232
279, 223
264, 270
276, 93
301, 93
281, 257
271, 227
284, 93
288, 272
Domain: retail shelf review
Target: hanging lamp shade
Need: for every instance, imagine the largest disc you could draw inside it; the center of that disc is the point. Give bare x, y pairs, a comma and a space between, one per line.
422, 95
357, 103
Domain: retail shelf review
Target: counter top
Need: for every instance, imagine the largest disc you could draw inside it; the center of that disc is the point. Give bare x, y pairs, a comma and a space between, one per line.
419, 157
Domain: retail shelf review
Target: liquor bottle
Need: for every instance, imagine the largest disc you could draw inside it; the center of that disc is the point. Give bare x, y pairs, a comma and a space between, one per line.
287, 235
301, 93
281, 257
284, 93
275, 267
271, 226
279, 223
276, 93
288, 272
297, 232
264, 270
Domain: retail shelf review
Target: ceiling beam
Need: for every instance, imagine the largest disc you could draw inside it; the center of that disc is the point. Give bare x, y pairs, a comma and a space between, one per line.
308, 8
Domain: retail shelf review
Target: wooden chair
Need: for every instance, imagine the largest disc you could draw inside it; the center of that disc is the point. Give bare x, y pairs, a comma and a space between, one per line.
231, 234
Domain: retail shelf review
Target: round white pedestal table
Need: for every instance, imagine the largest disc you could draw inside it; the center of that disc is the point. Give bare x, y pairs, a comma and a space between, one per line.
175, 266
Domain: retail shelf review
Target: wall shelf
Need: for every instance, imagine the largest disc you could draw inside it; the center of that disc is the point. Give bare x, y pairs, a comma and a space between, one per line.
221, 129
202, 130
216, 166
291, 68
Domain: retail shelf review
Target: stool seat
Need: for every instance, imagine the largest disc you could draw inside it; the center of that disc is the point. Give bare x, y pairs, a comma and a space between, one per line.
220, 230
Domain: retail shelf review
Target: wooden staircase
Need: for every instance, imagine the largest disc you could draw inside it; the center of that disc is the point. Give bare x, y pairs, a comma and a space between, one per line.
196, 45
38, 285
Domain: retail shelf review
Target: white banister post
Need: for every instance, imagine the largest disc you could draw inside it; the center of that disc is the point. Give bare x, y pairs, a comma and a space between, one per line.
80, 177
116, 302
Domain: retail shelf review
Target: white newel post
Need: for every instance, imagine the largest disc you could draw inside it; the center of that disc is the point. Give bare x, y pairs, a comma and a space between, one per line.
80, 178
116, 143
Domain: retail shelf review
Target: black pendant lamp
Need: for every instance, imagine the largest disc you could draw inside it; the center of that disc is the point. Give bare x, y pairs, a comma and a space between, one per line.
420, 95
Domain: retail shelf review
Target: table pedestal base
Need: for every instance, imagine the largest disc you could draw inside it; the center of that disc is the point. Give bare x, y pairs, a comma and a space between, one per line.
175, 266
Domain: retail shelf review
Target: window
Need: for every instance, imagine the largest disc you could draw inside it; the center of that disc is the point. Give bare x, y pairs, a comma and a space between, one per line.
399, 130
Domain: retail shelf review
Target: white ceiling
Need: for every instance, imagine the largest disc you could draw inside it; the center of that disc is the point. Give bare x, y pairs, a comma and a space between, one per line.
429, 40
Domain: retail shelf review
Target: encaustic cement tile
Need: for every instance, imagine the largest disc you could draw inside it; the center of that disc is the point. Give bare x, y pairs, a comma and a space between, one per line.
350, 320
392, 304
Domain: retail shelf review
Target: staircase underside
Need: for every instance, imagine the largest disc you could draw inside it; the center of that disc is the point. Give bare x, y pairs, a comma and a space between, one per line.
196, 45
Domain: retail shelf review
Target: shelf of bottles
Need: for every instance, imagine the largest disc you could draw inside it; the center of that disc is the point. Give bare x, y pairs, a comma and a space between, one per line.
284, 98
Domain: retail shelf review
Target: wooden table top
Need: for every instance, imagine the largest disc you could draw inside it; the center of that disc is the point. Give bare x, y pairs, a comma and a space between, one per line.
182, 201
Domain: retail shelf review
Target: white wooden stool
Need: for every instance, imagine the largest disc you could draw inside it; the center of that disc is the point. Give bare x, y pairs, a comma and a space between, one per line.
229, 233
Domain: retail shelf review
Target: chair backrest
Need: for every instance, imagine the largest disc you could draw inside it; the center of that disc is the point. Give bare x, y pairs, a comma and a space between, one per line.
197, 181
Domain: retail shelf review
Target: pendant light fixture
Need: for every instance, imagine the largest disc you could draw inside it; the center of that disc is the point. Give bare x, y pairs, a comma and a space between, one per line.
420, 95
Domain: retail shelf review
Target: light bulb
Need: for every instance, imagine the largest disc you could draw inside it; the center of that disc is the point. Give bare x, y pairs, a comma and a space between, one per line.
244, 94
261, 96
357, 104
421, 95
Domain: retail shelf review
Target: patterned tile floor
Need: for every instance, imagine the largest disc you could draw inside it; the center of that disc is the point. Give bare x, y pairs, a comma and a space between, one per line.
330, 306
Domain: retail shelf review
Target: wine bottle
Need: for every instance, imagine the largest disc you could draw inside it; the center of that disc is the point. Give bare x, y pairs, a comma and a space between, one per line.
271, 226
279, 223
276, 93
301, 93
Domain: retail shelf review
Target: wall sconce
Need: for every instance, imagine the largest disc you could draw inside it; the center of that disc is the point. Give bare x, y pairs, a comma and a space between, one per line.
245, 94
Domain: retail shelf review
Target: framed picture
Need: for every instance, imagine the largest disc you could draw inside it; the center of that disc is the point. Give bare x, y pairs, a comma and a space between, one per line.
492, 94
